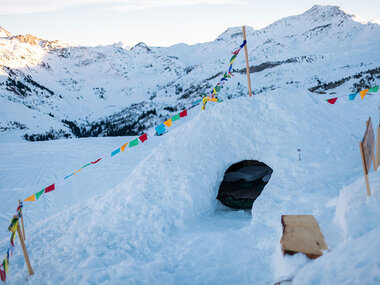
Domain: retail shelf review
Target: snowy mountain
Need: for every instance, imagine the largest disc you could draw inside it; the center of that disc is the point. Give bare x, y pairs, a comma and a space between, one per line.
57, 90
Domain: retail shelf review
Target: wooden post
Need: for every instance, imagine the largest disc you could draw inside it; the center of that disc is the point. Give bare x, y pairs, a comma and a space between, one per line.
22, 221
26, 256
378, 148
247, 64
365, 170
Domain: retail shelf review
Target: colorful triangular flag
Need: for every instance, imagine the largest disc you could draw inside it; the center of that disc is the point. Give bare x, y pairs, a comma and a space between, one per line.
183, 113
30, 199
160, 129
133, 142
332, 100
123, 147
168, 123
39, 193
374, 89
175, 117
352, 96
363, 92
50, 188
143, 137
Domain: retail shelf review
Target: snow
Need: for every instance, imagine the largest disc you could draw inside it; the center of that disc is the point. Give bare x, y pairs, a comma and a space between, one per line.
150, 215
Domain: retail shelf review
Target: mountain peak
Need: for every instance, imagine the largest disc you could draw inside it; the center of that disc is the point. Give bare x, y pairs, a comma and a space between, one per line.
326, 12
4, 33
141, 46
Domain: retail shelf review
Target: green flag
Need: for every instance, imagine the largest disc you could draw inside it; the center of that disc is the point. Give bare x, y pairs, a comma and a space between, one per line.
175, 118
134, 142
217, 88
86, 165
374, 89
38, 194
233, 57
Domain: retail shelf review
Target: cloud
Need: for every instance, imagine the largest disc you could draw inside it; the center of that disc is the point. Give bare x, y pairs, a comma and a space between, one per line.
11, 7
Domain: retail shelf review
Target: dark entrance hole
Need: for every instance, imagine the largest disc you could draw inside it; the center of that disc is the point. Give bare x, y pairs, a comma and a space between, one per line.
243, 182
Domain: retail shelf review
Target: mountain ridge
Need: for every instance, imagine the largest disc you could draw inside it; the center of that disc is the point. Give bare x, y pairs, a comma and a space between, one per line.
53, 82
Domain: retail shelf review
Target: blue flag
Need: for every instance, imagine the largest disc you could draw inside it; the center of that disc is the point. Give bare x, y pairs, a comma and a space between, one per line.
160, 129
115, 152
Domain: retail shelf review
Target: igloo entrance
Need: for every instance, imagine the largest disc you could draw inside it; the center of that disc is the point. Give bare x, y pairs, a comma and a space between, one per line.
243, 182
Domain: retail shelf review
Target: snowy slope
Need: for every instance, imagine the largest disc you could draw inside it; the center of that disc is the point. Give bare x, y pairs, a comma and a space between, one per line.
111, 89
150, 215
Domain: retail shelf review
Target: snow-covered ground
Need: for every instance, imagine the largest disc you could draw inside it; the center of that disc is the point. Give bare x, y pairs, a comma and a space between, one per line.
150, 215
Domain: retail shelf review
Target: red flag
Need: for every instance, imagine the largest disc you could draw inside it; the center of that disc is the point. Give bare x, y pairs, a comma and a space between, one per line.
3, 276
96, 161
143, 138
183, 114
236, 51
50, 188
332, 100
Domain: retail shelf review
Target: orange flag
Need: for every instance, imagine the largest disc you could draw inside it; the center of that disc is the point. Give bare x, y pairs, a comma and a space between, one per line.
123, 147
168, 122
31, 198
363, 92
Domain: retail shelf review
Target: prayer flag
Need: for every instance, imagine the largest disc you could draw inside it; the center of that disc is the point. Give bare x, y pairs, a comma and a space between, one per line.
69, 175
143, 137
233, 58
123, 147
134, 142
160, 129
168, 123
30, 199
77, 171
374, 89
183, 113
116, 151
38, 194
243, 44
86, 165
13, 239
50, 188
236, 51
96, 161
332, 100
5, 264
3, 276
223, 79
230, 74
352, 96
363, 92
218, 88
175, 118
13, 226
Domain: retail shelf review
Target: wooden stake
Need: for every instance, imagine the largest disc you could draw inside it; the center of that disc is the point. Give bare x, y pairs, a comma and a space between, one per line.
26, 256
22, 221
247, 64
365, 172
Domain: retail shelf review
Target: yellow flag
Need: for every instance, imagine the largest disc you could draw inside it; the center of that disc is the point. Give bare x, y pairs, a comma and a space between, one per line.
123, 147
213, 99
77, 171
14, 227
168, 123
30, 199
363, 92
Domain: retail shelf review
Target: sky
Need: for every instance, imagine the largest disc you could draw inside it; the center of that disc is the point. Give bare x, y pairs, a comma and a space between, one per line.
154, 22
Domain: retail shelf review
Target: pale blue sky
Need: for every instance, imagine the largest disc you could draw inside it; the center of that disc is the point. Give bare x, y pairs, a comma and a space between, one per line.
155, 22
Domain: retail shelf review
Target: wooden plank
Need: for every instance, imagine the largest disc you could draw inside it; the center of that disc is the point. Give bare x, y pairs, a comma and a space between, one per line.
301, 233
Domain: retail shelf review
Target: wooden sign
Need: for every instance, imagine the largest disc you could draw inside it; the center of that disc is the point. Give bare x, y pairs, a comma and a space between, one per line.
301, 233
368, 144
367, 147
